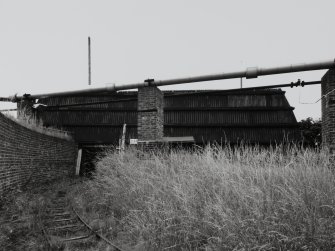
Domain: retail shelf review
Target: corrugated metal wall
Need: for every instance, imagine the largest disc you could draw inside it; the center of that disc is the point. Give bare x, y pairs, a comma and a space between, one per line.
255, 116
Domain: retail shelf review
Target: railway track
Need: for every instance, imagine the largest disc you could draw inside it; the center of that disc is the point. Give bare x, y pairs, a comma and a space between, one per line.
61, 224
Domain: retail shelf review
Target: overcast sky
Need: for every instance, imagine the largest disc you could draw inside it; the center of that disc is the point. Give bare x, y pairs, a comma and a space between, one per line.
43, 43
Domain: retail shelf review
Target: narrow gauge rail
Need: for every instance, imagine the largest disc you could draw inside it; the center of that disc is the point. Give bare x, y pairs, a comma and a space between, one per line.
60, 220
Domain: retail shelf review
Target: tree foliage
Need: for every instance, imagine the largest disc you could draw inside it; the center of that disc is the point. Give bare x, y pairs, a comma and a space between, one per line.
311, 131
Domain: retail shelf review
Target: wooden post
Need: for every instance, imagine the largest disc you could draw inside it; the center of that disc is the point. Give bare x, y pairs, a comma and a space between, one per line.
78, 162
123, 139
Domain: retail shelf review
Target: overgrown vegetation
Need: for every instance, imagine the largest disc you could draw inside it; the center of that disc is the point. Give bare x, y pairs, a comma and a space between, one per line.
245, 198
311, 132
35, 124
22, 223
19, 219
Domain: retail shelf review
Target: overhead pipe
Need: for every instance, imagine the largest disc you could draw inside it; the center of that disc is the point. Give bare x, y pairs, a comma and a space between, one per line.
4, 99
251, 72
169, 95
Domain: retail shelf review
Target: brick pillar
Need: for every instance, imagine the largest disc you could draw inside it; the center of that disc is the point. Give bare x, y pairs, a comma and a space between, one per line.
25, 108
150, 118
328, 110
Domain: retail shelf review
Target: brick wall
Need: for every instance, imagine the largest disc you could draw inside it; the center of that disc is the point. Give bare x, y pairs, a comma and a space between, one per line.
25, 109
328, 110
150, 118
29, 157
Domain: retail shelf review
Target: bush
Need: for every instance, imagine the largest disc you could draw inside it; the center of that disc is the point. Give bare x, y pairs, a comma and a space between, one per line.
311, 132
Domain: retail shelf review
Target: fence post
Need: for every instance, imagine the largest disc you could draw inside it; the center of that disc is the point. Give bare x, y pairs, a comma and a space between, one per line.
78, 162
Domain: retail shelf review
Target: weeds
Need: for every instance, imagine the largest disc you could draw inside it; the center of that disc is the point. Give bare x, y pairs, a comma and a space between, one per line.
22, 223
33, 123
245, 198
19, 228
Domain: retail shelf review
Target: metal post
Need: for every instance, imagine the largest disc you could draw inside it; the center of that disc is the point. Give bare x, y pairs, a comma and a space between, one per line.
89, 61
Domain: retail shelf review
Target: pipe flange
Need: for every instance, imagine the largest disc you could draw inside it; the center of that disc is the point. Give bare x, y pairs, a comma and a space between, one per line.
252, 72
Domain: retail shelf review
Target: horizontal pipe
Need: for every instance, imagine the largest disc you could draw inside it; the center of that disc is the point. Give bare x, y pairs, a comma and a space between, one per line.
167, 109
189, 125
8, 110
241, 90
2, 99
59, 107
251, 72
169, 95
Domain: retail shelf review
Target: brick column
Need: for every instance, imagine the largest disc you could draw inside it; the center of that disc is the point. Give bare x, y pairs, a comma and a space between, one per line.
25, 108
150, 118
328, 110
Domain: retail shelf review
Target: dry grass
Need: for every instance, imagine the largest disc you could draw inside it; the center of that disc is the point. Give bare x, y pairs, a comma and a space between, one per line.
246, 198
19, 224
34, 124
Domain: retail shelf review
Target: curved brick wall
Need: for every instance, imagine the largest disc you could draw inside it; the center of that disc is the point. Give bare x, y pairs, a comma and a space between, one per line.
29, 157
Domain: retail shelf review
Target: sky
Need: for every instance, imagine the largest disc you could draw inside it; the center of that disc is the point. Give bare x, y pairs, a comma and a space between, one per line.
43, 43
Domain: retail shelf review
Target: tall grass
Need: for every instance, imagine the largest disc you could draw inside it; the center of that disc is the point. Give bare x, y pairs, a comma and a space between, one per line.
245, 198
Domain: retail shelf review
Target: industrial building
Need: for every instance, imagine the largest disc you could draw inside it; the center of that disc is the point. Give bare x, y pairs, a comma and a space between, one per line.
221, 116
